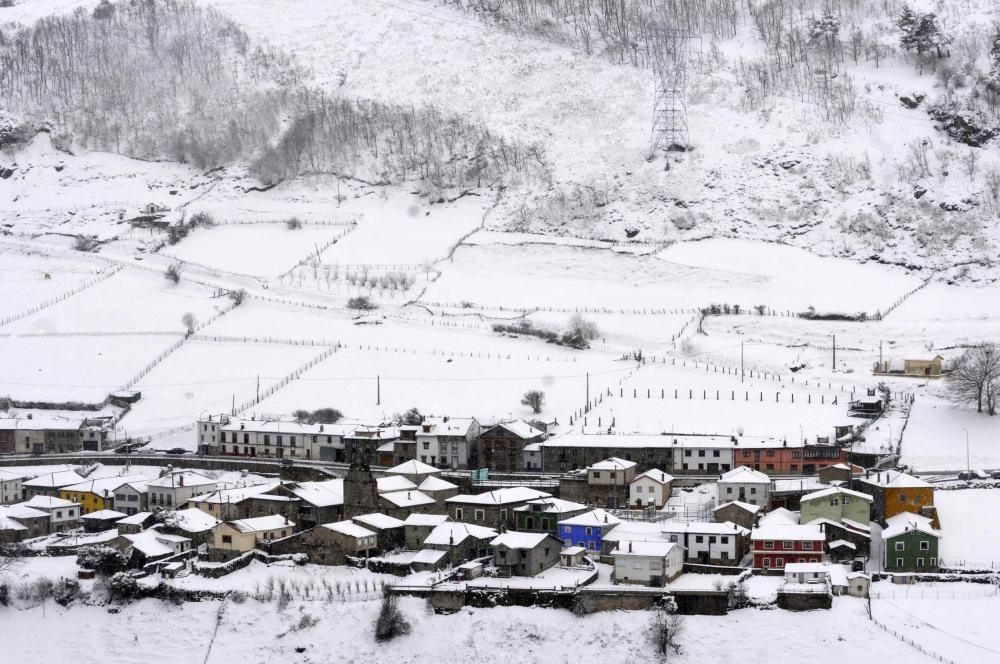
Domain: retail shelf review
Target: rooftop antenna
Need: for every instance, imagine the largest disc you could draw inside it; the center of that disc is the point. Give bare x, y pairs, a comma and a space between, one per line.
670, 125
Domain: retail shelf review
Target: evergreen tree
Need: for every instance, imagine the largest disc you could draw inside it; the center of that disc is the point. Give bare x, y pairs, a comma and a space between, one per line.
906, 21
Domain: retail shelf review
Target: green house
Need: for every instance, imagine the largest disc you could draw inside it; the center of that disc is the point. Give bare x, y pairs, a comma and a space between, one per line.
836, 504
910, 544
544, 514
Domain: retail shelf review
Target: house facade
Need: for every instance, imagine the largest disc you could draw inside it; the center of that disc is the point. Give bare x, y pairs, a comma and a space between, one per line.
525, 554
177, 487
63, 514
651, 488
709, 543
132, 497
745, 485
95, 495
835, 504
894, 492
910, 544
231, 538
492, 509
501, 447
543, 515
11, 490
647, 563
447, 442
774, 546
587, 530
40, 436
742, 514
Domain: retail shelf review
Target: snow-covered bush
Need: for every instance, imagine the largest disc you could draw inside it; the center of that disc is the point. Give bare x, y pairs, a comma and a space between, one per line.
122, 587
66, 591
103, 559
390, 622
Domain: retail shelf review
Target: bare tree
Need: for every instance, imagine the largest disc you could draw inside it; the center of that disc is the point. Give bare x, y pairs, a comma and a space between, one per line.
975, 378
666, 627
534, 399
173, 272
970, 162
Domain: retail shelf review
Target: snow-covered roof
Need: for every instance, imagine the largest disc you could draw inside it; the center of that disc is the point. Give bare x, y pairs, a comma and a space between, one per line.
53, 480
136, 519
8, 522
234, 495
573, 551
905, 522
394, 483
181, 478
787, 531
643, 548
894, 479
425, 519
636, 531
378, 521
39, 424
408, 498
48, 502
806, 568
856, 525
592, 518
533, 447
20, 511
779, 516
321, 494
703, 528
835, 491
153, 544
744, 475
753, 509
261, 523
613, 463
551, 506
654, 474
289, 427
413, 467
521, 429
8, 475
514, 540
801, 485
102, 486
446, 426
453, 532
428, 556
349, 528
433, 483
836, 544
193, 520
104, 515
514, 494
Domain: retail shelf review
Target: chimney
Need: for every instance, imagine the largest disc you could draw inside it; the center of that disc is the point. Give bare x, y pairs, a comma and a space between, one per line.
242, 426
630, 546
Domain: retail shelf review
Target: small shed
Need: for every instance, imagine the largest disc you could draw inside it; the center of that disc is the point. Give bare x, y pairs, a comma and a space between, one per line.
429, 560
101, 520
470, 570
573, 556
858, 584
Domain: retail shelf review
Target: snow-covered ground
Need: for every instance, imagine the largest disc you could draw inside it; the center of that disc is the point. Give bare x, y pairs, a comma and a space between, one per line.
31, 277
935, 437
968, 539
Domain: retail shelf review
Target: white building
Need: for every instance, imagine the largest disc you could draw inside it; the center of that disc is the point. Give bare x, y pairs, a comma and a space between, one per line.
745, 485
10, 487
710, 543
445, 442
650, 488
647, 563
611, 472
65, 514
177, 487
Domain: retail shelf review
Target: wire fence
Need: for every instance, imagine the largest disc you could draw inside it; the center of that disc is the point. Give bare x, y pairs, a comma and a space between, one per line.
910, 642
284, 381
969, 591
56, 300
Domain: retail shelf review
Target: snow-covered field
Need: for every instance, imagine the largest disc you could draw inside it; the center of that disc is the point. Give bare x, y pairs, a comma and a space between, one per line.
969, 540
935, 437
156, 631
30, 277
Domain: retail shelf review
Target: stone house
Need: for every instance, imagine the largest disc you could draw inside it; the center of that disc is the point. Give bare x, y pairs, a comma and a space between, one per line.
461, 541
608, 481
501, 447
416, 528
101, 520
401, 504
415, 471
390, 531
22, 523
319, 502
742, 514
492, 509
525, 554
840, 472
192, 523
544, 514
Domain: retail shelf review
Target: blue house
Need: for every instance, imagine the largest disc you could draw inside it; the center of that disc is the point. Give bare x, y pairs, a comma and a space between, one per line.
587, 530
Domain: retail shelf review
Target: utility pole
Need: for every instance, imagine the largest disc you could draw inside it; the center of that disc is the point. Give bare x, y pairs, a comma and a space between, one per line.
880, 355
258, 388
968, 463
741, 361
233, 409
588, 392
835, 352
378, 390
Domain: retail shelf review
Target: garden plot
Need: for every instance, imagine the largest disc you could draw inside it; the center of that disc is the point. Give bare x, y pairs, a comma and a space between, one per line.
442, 384
935, 436
258, 250
561, 276
969, 539
74, 368
205, 377
29, 277
130, 302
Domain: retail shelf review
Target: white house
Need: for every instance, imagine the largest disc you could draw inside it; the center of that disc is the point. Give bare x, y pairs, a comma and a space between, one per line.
650, 488
647, 563
177, 487
611, 472
445, 442
65, 514
745, 485
10, 487
710, 543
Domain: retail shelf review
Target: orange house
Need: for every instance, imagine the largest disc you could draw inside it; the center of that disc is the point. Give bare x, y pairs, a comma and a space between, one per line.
895, 492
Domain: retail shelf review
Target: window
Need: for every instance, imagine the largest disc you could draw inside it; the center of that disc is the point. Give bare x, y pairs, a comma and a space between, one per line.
427, 445
794, 466
770, 453
920, 562
246, 439
767, 562
899, 562
933, 562
729, 490
786, 545
637, 564
315, 439
687, 453
724, 540
725, 555
588, 531
753, 491
673, 538
715, 453
58, 514
503, 515
545, 523
807, 546
834, 502
459, 513
655, 565
590, 545
227, 539
768, 545
779, 562
900, 546
711, 539
746, 454
267, 439
925, 545
699, 539
770, 466
479, 515
279, 440
845, 501
796, 455
567, 529
902, 497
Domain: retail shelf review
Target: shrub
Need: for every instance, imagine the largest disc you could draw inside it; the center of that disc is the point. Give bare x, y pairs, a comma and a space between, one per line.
361, 303
237, 296
202, 219
122, 587
66, 591
104, 560
177, 233
390, 622
42, 589
535, 399
173, 272
294, 223
665, 627
84, 243
525, 327
4, 594
104, 9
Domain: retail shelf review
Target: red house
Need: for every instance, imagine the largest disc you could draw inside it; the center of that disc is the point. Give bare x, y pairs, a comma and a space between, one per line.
775, 546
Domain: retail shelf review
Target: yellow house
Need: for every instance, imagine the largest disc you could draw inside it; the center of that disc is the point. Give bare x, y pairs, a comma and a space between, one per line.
931, 367
231, 538
95, 495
